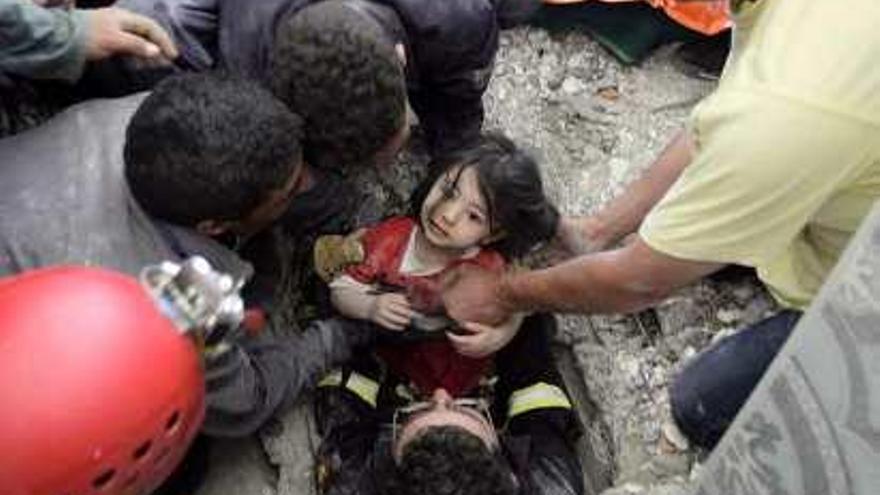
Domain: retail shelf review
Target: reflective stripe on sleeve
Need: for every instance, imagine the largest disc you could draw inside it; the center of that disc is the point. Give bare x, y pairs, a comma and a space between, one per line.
364, 387
538, 396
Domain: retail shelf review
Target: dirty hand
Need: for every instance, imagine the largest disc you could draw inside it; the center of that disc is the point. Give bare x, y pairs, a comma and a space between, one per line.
472, 294
391, 311
333, 253
482, 340
113, 31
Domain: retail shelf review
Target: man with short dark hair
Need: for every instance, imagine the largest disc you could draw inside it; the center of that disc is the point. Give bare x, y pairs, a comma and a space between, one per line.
348, 67
458, 449
118, 180
194, 158
514, 436
338, 68
134, 181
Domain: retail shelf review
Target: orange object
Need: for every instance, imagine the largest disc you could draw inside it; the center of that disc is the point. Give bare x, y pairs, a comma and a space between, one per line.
709, 17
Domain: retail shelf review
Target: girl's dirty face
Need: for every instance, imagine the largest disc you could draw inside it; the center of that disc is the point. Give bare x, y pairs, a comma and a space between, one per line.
455, 214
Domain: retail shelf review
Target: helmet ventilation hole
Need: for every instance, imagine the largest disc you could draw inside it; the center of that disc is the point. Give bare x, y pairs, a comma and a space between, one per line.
142, 450
172, 423
103, 480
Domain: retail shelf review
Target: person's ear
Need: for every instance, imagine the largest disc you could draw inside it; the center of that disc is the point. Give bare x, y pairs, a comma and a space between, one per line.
214, 228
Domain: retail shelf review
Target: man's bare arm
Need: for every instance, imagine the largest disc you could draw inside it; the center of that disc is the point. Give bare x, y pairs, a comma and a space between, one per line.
618, 281
622, 280
623, 215
359, 301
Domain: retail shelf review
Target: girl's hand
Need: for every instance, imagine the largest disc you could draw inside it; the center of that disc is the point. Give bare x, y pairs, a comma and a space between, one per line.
391, 311
483, 340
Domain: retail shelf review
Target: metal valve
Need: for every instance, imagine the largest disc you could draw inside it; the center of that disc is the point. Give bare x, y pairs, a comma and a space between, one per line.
195, 297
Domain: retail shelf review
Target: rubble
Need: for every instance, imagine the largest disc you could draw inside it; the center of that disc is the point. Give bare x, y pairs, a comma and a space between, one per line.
594, 125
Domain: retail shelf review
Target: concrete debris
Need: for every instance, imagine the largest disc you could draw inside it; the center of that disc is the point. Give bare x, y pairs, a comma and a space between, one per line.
550, 94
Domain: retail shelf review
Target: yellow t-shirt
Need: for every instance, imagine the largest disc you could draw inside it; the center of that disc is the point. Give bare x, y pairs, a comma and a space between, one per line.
788, 148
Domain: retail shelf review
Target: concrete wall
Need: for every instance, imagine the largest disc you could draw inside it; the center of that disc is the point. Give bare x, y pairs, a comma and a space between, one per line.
813, 424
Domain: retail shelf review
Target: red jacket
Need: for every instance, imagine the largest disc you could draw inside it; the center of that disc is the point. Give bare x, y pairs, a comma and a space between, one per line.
428, 364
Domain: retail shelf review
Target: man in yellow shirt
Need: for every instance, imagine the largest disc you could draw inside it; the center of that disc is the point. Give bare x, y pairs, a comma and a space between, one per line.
775, 171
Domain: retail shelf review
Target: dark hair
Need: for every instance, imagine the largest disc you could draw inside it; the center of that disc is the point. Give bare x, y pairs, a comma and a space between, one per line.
209, 147
447, 460
334, 66
511, 183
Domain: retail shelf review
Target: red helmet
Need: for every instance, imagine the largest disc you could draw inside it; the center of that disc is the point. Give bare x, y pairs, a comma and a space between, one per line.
101, 393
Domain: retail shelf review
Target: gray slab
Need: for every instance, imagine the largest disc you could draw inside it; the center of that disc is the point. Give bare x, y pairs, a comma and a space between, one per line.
812, 427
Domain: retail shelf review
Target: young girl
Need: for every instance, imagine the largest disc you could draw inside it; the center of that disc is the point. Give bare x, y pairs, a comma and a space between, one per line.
480, 205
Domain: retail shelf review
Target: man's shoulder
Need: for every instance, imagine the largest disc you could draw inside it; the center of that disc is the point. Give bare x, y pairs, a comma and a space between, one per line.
63, 197
107, 114
106, 111
81, 139
817, 55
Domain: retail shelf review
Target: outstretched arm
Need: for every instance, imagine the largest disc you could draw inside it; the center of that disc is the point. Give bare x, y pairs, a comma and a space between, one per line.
623, 215
622, 280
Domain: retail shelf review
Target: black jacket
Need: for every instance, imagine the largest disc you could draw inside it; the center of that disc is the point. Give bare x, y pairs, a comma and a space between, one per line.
537, 443
450, 44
